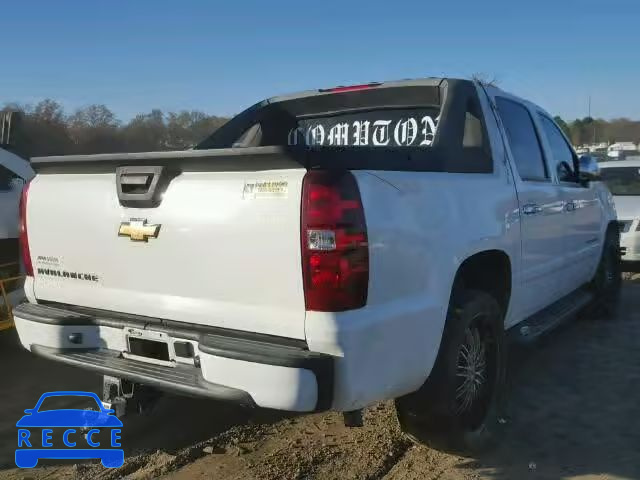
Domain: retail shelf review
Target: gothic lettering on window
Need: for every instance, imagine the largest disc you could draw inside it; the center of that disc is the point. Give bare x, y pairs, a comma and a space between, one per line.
405, 131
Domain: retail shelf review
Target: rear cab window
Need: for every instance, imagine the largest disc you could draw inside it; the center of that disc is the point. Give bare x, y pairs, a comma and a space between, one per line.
378, 128
407, 127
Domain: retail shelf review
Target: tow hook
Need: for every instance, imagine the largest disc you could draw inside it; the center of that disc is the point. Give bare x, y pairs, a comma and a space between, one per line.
353, 418
122, 395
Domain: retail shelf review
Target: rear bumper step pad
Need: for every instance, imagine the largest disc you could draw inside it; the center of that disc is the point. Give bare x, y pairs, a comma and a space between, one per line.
238, 345
181, 379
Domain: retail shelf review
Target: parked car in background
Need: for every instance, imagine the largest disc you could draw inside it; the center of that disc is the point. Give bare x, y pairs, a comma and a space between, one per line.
623, 180
616, 149
15, 172
325, 250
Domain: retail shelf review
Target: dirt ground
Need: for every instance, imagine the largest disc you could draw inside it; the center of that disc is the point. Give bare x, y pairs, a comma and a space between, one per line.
574, 414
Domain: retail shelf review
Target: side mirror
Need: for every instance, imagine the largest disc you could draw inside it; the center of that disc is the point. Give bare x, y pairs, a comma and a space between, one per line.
588, 169
29, 411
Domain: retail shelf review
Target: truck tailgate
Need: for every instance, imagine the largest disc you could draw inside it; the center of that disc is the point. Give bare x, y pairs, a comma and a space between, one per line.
222, 248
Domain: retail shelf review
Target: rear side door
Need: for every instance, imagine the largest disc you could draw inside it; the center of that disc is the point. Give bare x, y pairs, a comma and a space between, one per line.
583, 212
541, 209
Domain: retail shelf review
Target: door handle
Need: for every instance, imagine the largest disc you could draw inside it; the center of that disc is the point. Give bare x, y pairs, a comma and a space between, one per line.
531, 209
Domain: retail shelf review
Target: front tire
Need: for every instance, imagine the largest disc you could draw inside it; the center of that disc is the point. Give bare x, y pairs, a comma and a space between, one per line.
459, 408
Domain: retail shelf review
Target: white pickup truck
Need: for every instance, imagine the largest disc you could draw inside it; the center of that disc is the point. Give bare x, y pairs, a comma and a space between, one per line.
325, 250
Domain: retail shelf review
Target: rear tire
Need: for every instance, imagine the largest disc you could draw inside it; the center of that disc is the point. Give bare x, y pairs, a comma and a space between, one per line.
607, 282
459, 408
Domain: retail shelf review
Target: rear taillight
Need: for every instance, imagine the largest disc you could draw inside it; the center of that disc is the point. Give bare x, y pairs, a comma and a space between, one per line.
24, 238
335, 250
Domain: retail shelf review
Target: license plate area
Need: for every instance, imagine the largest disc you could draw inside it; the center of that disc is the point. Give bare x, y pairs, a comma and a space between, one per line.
147, 346
142, 347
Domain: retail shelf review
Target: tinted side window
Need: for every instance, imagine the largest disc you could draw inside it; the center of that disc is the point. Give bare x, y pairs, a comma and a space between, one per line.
522, 139
561, 152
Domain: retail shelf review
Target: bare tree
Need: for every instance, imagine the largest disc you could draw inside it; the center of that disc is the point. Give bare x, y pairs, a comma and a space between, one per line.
146, 132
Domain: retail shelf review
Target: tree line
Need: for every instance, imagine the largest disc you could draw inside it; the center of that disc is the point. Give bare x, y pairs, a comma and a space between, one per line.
588, 130
46, 129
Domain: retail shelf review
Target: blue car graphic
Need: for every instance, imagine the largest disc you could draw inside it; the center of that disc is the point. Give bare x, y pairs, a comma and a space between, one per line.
28, 457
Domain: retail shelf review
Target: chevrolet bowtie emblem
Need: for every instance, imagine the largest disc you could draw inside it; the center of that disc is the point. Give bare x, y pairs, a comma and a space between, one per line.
138, 230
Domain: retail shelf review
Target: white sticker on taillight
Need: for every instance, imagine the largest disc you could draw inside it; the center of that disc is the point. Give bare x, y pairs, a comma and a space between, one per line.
321, 240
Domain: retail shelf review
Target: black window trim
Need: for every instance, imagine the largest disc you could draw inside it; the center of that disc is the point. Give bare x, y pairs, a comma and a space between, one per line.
548, 178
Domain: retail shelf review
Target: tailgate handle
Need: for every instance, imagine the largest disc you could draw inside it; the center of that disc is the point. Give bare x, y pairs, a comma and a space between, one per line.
142, 187
131, 182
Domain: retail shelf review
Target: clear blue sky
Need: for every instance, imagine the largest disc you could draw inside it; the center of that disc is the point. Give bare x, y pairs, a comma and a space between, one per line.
221, 56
